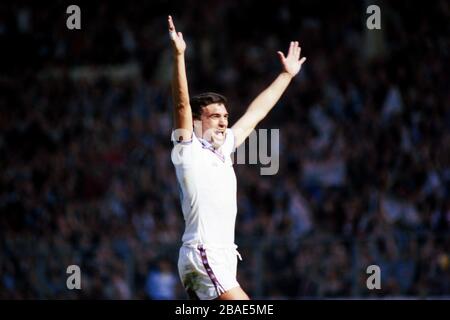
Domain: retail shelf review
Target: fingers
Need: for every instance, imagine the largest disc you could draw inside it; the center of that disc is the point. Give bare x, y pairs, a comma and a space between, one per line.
302, 60
281, 55
294, 50
291, 48
171, 25
172, 31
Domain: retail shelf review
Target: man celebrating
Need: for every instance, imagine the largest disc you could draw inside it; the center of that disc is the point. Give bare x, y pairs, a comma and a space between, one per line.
203, 144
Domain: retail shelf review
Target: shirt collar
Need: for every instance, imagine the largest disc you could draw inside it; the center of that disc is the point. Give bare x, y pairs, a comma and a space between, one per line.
208, 145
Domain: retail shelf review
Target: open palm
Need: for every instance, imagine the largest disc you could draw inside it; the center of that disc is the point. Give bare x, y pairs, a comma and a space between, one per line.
292, 62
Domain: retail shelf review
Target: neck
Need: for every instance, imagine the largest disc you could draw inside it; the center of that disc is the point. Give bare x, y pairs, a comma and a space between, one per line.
208, 144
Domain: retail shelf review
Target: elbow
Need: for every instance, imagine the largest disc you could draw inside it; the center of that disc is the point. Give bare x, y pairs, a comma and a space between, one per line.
182, 106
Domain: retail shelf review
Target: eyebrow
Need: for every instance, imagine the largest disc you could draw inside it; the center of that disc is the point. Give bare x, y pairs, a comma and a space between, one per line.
218, 114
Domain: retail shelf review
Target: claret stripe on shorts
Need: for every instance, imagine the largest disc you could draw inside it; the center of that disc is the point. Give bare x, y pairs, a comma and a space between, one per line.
209, 271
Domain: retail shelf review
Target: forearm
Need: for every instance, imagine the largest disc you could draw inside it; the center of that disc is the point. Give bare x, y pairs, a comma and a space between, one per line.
180, 90
182, 109
267, 99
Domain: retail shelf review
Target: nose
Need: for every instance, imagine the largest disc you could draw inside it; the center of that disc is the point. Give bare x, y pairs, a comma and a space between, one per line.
223, 122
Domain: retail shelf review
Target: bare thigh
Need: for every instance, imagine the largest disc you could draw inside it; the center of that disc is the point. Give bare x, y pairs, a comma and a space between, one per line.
234, 294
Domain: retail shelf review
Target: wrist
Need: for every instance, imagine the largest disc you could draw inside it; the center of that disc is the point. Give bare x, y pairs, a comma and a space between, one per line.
286, 75
178, 55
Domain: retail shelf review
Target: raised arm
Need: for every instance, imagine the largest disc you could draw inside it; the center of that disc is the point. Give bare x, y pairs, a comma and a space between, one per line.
267, 99
182, 113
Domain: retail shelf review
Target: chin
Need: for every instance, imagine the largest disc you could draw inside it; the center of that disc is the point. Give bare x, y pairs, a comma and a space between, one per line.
217, 142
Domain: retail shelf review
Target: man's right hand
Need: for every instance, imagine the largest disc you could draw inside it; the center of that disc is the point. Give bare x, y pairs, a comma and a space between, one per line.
178, 44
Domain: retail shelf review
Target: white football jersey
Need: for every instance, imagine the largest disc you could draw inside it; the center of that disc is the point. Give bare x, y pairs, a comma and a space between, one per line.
207, 190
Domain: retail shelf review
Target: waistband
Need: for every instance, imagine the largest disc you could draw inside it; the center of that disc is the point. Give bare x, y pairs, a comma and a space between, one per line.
202, 246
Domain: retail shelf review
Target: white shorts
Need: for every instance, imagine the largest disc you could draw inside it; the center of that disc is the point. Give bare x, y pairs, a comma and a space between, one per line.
207, 272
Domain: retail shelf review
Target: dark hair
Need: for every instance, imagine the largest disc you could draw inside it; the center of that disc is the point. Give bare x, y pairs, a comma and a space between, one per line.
204, 99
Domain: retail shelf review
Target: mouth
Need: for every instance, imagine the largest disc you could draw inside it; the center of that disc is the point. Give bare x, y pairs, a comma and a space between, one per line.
220, 134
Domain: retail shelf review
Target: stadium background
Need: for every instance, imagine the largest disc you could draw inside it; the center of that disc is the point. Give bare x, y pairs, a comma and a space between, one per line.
364, 175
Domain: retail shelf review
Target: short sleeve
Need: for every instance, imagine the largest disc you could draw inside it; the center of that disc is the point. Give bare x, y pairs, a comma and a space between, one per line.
184, 152
174, 137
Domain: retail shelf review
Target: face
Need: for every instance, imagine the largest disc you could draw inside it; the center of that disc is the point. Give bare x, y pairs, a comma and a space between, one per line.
212, 124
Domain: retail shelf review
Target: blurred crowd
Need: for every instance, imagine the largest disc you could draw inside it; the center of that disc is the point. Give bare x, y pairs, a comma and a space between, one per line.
86, 176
